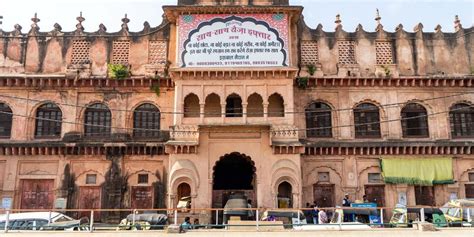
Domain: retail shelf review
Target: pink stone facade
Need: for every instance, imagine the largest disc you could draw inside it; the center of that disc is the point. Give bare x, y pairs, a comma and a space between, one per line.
191, 120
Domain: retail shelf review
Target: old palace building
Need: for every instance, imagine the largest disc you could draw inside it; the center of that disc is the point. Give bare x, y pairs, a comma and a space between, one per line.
227, 96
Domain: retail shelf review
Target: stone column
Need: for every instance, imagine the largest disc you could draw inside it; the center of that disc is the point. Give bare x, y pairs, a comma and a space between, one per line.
265, 111
244, 111
201, 113
223, 112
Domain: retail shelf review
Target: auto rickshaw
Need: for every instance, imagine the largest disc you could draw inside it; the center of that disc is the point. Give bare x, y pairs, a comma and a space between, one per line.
403, 216
459, 212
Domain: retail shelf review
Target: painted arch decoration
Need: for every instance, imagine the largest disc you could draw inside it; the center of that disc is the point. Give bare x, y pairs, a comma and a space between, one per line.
242, 40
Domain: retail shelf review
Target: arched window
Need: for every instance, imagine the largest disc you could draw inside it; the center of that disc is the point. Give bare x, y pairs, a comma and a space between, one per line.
48, 121
462, 120
255, 105
98, 121
318, 120
212, 107
191, 106
414, 121
367, 121
233, 107
6, 119
146, 121
276, 107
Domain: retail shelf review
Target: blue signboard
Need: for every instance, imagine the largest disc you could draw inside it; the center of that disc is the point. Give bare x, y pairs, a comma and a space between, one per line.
374, 218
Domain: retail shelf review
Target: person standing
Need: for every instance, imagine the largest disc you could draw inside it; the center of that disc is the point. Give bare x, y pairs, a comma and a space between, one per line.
365, 199
314, 214
249, 211
307, 214
322, 217
346, 202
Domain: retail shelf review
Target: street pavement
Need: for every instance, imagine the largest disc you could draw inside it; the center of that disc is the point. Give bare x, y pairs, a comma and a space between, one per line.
458, 232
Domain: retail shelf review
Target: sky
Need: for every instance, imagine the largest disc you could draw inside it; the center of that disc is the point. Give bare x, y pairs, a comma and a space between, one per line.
110, 12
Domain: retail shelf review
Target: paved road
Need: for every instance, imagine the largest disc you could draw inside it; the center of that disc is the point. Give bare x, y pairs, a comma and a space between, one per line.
214, 233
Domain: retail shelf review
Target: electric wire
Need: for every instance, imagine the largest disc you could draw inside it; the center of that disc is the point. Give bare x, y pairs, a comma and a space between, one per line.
196, 112
240, 131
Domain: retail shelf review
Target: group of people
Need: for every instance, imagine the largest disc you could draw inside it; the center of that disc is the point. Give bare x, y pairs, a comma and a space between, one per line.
315, 215
186, 225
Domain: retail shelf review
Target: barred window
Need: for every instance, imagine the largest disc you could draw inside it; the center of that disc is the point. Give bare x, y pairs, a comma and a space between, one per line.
6, 119
276, 106
142, 178
462, 120
255, 105
367, 121
48, 121
98, 120
191, 106
414, 121
374, 178
318, 120
91, 178
233, 107
146, 121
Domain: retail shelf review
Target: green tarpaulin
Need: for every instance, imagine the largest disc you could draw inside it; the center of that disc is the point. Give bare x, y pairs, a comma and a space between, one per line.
417, 171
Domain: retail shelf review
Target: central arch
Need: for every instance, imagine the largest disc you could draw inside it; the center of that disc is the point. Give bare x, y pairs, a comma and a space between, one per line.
233, 173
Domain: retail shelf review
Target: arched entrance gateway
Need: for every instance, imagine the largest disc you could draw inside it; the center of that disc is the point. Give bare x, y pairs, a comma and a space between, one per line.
285, 195
233, 173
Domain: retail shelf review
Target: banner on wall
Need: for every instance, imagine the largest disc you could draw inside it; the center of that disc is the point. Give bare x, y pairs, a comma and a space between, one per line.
243, 40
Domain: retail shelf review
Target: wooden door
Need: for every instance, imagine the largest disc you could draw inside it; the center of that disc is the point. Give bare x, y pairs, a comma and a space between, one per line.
89, 198
424, 195
184, 190
324, 195
142, 197
376, 194
37, 193
469, 190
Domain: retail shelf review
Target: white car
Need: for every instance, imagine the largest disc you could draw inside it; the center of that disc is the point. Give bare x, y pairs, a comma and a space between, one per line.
32, 220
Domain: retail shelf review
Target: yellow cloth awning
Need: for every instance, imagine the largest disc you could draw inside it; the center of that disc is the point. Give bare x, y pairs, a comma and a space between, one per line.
417, 171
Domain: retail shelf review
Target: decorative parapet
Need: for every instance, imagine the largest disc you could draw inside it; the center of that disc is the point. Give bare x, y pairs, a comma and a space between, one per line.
285, 140
327, 148
185, 133
284, 133
55, 81
234, 73
184, 140
391, 81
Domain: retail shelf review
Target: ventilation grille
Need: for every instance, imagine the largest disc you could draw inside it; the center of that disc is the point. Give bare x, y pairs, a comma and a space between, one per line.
120, 52
80, 52
383, 53
346, 52
309, 53
157, 52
